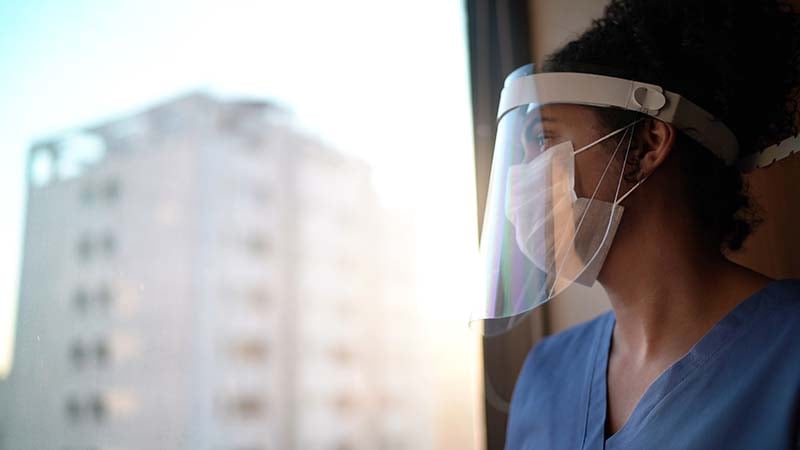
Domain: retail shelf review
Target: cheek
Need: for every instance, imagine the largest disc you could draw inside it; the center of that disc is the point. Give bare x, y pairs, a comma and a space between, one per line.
589, 172
582, 175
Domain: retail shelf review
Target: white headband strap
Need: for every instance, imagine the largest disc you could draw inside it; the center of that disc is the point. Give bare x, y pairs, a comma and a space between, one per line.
599, 90
771, 154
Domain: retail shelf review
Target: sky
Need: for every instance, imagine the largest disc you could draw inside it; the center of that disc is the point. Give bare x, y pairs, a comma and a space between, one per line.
384, 81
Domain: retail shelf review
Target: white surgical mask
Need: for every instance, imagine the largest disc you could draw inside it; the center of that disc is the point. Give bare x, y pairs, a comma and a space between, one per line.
565, 236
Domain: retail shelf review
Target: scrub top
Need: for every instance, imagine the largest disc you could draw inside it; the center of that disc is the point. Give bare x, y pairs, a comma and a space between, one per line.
737, 388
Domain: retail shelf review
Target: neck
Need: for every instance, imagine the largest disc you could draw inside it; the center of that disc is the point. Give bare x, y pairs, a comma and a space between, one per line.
667, 292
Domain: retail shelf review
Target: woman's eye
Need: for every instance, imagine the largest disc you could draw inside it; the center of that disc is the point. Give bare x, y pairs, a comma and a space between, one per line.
542, 140
534, 136
535, 141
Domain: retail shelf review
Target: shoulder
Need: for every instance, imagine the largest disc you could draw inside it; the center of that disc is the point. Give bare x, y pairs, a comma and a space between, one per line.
781, 301
561, 356
551, 389
573, 341
783, 293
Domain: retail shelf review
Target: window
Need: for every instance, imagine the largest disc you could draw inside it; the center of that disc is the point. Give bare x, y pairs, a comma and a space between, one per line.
72, 408
98, 408
240, 191
81, 300
99, 300
111, 190
344, 403
103, 298
109, 244
84, 248
245, 407
77, 354
107, 191
257, 244
98, 353
251, 351
342, 355
101, 352
87, 195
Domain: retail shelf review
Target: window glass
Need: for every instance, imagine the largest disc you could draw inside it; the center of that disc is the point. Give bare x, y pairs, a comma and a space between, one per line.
244, 224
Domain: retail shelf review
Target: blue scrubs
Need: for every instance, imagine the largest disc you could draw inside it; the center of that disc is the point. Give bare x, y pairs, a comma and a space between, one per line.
737, 388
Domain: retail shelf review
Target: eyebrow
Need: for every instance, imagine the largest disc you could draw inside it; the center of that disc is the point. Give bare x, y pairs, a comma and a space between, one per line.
539, 119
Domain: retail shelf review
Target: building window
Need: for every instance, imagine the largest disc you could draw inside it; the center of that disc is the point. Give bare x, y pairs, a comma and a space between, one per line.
108, 192
81, 300
77, 354
109, 244
103, 298
344, 403
98, 408
94, 407
111, 190
72, 408
82, 354
342, 355
100, 299
84, 248
250, 351
87, 195
101, 352
245, 407
257, 245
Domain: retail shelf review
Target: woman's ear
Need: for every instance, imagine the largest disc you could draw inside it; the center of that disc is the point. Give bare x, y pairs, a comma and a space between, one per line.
657, 139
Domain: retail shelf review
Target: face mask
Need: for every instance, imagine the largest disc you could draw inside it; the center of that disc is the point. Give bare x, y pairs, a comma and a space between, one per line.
565, 236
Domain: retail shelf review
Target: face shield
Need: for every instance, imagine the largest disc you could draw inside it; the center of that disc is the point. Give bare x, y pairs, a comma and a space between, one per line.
556, 185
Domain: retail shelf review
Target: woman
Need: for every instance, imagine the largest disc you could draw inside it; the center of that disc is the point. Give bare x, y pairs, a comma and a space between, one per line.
698, 352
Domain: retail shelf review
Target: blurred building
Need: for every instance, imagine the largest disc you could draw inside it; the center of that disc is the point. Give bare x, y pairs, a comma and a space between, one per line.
203, 276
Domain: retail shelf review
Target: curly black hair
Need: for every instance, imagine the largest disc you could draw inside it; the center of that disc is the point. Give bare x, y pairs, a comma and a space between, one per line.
738, 60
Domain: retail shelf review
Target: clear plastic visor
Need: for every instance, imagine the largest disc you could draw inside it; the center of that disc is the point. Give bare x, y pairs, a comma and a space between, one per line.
541, 232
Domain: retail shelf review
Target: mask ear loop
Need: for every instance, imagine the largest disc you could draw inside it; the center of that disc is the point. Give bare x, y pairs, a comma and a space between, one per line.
622, 175
613, 205
623, 130
635, 186
619, 184
630, 191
